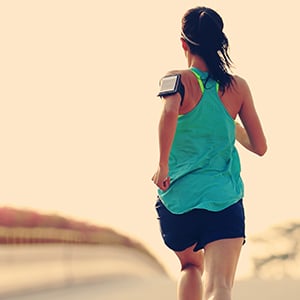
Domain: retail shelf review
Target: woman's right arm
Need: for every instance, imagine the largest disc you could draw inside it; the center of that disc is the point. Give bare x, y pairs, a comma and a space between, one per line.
167, 129
251, 134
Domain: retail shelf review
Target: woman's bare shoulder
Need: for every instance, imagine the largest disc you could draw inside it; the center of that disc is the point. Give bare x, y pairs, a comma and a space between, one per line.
239, 88
181, 72
239, 82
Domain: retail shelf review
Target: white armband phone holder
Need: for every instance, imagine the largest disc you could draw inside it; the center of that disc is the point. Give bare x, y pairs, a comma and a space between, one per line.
170, 85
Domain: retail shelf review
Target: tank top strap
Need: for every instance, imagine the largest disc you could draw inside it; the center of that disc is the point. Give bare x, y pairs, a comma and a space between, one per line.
200, 79
197, 74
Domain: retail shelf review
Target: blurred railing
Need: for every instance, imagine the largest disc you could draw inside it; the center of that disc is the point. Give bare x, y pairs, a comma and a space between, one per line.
21, 235
39, 251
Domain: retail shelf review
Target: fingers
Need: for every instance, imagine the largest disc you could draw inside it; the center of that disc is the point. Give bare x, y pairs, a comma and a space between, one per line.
166, 183
163, 184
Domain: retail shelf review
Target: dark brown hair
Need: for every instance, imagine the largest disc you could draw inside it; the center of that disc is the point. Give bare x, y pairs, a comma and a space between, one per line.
202, 28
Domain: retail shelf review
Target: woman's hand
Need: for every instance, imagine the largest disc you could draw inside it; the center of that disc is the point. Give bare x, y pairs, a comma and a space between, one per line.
161, 178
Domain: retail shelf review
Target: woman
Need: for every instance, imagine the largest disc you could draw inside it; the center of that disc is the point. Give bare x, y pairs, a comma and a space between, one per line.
200, 206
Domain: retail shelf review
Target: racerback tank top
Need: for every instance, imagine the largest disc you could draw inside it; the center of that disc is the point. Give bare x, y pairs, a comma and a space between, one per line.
204, 165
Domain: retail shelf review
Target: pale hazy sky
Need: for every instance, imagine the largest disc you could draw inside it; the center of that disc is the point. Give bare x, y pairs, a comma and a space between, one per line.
78, 111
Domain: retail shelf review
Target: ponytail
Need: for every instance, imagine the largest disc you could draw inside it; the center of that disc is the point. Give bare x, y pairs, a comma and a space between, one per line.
202, 28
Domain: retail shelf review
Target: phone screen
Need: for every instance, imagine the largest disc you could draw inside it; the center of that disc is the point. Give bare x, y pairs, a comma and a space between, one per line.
168, 84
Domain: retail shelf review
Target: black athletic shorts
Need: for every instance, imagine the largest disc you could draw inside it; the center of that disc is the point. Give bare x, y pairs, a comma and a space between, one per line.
200, 226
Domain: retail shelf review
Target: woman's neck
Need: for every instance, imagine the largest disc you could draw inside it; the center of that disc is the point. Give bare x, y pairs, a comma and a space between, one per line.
197, 62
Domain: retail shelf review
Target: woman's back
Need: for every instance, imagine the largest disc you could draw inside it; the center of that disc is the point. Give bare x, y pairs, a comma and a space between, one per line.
237, 100
203, 152
232, 97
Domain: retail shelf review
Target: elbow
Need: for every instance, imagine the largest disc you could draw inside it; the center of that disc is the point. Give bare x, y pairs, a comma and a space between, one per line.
261, 151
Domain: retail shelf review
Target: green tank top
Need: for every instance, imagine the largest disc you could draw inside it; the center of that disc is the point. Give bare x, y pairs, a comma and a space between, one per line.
204, 165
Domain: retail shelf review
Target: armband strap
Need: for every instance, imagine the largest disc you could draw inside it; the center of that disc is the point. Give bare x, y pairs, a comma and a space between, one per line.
170, 85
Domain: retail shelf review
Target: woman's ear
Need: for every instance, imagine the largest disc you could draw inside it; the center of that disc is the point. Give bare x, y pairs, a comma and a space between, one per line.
184, 45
